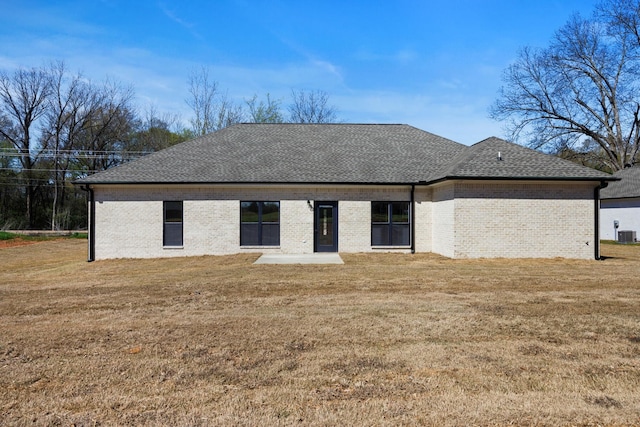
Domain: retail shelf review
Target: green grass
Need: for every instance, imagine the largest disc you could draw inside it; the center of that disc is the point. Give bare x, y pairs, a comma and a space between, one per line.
7, 236
4, 235
614, 242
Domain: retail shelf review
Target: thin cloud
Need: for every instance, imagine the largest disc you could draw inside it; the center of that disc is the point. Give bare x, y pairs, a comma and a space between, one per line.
402, 56
190, 27
328, 67
451, 84
312, 59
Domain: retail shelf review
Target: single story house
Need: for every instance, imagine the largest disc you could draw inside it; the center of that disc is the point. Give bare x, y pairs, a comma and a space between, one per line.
620, 205
303, 188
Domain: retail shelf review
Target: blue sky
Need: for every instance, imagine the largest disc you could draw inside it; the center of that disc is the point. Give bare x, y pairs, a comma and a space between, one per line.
436, 65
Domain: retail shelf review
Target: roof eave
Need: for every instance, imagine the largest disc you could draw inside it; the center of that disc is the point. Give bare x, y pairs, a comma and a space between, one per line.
518, 178
144, 183
620, 197
399, 183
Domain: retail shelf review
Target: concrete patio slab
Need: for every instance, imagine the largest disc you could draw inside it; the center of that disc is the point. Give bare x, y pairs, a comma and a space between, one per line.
317, 258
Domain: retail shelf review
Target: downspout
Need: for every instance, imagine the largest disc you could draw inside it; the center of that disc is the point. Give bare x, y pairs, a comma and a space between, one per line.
412, 221
596, 215
92, 224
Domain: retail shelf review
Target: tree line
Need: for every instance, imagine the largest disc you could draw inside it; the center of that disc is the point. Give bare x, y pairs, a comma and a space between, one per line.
57, 126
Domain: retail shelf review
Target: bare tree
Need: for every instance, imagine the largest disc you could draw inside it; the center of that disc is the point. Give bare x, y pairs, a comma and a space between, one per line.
227, 112
585, 85
212, 110
202, 92
72, 109
106, 134
10, 201
65, 115
311, 107
23, 101
54, 127
623, 16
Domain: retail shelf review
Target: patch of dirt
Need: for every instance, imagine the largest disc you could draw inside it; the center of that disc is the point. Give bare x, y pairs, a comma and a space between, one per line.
12, 243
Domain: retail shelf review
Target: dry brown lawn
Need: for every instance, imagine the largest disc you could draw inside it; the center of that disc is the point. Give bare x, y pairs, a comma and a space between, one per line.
382, 340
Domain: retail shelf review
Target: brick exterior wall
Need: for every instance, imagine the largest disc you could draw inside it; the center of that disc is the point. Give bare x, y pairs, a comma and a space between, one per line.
455, 219
129, 219
423, 219
443, 224
514, 220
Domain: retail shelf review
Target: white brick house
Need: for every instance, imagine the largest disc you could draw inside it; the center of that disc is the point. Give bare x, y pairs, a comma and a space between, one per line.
620, 205
291, 188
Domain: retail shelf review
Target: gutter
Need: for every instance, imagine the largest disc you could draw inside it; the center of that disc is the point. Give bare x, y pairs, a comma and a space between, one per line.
92, 224
367, 183
596, 216
521, 178
254, 183
412, 220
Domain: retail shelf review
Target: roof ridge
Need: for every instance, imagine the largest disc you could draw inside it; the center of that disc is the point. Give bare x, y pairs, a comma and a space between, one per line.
467, 154
462, 156
488, 139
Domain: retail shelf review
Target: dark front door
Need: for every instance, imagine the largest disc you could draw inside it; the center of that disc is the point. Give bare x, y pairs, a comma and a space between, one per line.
326, 227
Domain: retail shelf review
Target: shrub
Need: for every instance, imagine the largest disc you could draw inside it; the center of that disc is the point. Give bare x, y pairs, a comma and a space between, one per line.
7, 236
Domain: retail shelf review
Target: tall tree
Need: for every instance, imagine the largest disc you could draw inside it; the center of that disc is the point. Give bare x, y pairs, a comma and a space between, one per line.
212, 110
156, 132
623, 16
105, 136
56, 126
85, 124
227, 112
23, 102
588, 153
202, 93
311, 107
264, 111
10, 183
585, 85
70, 107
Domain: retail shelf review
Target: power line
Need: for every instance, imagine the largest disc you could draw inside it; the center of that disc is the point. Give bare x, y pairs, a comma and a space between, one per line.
21, 170
104, 155
60, 150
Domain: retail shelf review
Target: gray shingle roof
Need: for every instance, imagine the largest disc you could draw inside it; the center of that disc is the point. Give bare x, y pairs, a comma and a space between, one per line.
336, 153
481, 161
628, 186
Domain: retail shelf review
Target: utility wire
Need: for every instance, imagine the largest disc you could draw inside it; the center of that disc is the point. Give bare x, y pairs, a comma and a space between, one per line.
76, 156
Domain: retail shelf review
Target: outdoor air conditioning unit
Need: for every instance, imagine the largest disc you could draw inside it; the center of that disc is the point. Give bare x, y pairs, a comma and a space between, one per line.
626, 236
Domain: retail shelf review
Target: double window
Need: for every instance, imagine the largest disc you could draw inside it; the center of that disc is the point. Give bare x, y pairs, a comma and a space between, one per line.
390, 224
259, 223
172, 230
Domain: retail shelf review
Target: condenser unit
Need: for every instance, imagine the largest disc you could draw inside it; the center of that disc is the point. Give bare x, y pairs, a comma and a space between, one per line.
626, 236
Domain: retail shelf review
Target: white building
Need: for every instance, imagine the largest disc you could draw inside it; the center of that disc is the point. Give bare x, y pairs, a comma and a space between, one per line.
620, 205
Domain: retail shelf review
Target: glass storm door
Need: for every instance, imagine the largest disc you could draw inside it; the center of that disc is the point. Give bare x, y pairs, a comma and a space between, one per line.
326, 227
